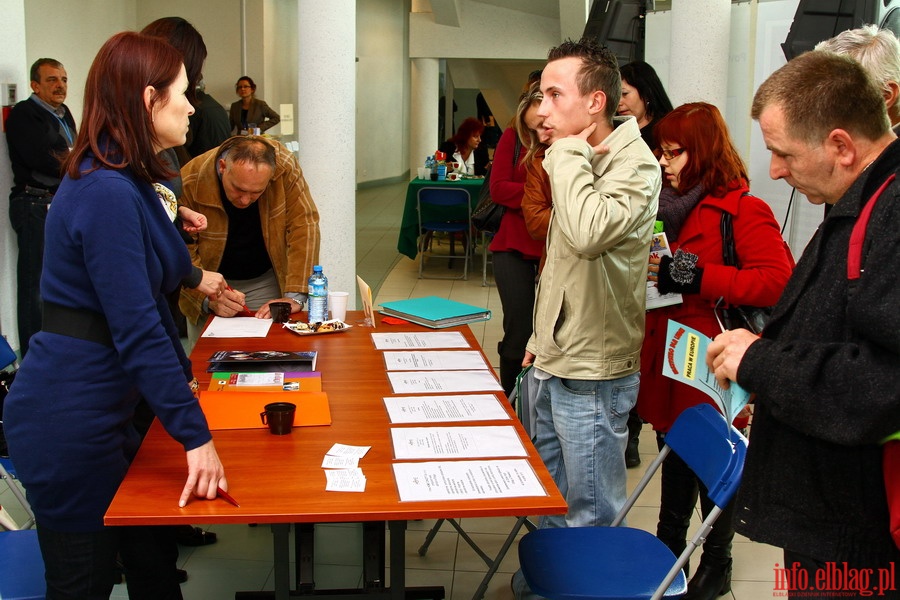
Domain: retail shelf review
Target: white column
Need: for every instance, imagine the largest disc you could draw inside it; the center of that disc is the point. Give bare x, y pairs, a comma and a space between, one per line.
14, 70
326, 125
423, 107
701, 32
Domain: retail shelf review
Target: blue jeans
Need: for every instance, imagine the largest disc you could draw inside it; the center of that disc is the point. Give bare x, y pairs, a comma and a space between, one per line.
582, 430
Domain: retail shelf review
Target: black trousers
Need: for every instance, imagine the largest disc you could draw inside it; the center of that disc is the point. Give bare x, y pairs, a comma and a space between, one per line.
81, 566
515, 277
28, 214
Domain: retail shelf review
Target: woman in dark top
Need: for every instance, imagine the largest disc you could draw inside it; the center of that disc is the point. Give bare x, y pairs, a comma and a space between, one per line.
250, 111
644, 98
108, 336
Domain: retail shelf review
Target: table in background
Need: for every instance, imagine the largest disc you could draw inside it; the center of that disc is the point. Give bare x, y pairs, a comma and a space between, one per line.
407, 243
279, 479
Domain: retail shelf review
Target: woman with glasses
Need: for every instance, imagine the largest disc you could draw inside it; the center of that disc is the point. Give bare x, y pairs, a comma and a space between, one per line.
250, 112
705, 177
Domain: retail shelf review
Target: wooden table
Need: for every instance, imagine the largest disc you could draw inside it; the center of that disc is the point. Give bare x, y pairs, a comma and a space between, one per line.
407, 242
278, 480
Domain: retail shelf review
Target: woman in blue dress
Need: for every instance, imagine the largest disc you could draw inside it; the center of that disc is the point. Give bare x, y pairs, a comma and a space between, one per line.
108, 336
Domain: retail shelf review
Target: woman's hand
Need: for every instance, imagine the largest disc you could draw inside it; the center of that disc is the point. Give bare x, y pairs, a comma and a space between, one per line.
212, 284
205, 474
191, 220
653, 269
229, 303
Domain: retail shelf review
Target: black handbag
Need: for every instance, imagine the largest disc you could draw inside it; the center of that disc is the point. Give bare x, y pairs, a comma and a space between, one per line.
487, 214
753, 318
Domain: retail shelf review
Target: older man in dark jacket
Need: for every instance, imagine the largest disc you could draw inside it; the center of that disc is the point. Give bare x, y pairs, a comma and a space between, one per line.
827, 368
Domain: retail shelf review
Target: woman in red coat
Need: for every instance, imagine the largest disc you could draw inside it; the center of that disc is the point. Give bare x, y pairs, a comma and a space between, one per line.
706, 177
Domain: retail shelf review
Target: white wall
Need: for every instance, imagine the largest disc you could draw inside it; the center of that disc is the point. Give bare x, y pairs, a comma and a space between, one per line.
757, 31
72, 32
382, 90
221, 34
12, 70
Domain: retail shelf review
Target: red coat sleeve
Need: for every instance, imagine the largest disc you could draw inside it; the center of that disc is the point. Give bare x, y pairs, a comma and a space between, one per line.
507, 179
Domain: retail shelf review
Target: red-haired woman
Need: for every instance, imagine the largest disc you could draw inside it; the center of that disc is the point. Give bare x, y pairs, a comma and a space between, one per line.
706, 177
463, 147
108, 336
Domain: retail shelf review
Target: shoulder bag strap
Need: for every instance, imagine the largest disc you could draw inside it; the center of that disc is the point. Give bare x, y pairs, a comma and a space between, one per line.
858, 235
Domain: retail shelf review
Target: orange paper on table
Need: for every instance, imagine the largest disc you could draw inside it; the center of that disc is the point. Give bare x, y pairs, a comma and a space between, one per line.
240, 410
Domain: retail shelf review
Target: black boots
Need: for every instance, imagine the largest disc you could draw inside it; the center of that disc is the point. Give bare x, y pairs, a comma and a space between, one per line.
676, 504
712, 579
632, 453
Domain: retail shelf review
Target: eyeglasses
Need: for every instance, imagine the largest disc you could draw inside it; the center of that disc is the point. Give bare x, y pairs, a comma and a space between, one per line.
243, 87
673, 153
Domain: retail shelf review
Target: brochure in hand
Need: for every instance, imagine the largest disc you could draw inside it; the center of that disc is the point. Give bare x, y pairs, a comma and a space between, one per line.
659, 247
686, 362
268, 361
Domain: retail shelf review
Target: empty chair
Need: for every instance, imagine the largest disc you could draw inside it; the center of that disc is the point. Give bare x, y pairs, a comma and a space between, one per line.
623, 562
21, 564
444, 210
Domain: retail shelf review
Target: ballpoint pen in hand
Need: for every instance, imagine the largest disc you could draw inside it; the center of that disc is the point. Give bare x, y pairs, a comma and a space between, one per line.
246, 312
226, 497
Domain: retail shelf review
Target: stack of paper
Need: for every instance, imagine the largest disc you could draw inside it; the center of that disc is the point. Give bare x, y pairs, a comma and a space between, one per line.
435, 312
309, 381
258, 361
342, 472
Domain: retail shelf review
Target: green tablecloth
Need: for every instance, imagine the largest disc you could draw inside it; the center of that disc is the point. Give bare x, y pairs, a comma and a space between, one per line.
409, 234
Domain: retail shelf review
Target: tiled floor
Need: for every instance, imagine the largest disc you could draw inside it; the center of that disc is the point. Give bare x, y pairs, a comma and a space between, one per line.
242, 558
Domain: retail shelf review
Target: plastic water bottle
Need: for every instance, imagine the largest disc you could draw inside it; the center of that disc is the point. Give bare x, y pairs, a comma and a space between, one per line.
429, 166
317, 296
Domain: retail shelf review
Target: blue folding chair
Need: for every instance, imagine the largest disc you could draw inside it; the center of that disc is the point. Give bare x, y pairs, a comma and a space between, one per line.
444, 210
21, 566
580, 563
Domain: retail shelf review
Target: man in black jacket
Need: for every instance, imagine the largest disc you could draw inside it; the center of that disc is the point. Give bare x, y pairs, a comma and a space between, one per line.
827, 367
39, 131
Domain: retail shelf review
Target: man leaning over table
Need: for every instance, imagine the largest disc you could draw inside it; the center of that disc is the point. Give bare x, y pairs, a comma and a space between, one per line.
262, 233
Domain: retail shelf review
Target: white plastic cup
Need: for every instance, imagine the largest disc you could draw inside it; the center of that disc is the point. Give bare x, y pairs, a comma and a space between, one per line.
337, 301
422, 174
